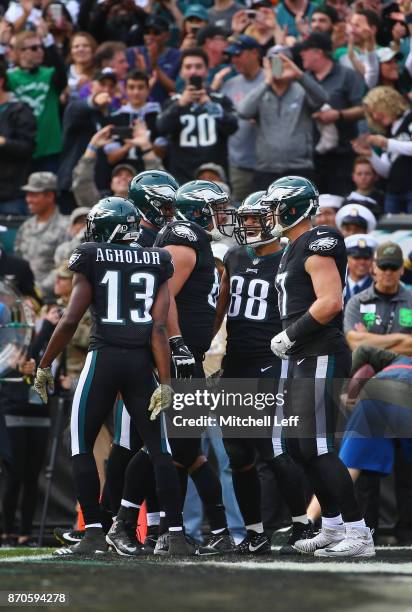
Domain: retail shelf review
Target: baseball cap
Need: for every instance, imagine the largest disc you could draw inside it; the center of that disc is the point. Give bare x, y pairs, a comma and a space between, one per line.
360, 245
240, 43
156, 22
105, 73
41, 181
316, 40
389, 253
119, 167
196, 10
81, 211
327, 200
356, 214
63, 271
276, 49
385, 54
212, 168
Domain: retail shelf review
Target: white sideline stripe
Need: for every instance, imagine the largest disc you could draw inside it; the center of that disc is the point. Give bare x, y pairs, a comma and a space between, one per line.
334, 567
386, 548
24, 558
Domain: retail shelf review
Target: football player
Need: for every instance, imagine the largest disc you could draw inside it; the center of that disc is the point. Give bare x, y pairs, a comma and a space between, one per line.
126, 289
153, 194
249, 297
194, 289
310, 281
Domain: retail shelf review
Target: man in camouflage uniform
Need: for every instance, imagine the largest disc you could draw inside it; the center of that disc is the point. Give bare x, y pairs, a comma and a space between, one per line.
38, 237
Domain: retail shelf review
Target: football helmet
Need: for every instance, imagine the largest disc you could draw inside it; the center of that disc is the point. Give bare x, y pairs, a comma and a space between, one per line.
112, 219
204, 203
292, 199
259, 231
153, 193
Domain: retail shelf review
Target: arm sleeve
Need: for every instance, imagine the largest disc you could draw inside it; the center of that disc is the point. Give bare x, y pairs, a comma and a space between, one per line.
381, 164
249, 106
400, 147
316, 95
227, 124
84, 188
23, 143
53, 58
352, 314
371, 69
168, 121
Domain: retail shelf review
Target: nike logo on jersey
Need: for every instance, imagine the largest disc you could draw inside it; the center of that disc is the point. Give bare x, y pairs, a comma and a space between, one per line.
255, 548
320, 233
264, 369
300, 361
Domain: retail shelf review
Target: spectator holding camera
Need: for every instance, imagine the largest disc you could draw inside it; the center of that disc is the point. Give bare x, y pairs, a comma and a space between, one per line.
283, 106
82, 118
131, 123
198, 122
195, 18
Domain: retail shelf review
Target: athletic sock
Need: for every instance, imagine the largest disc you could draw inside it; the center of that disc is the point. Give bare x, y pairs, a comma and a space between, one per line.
332, 521
209, 489
303, 518
256, 527
246, 485
356, 524
127, 513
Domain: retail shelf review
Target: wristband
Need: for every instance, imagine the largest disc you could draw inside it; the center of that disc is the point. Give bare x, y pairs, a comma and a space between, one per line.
304, 326
408, 18
92, 148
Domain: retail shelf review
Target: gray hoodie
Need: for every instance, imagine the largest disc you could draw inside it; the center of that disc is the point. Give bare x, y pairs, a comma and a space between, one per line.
285, 125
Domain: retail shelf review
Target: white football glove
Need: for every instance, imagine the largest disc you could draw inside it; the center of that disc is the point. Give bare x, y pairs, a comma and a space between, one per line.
161, 400
280, 344
44, 380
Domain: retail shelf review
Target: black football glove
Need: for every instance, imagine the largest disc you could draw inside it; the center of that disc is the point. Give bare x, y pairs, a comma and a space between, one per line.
182, 358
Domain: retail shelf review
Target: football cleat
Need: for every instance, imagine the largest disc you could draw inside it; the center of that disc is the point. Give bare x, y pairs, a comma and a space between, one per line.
151, 538
162, 544
122, 537
68, 536
327, 536
222, 543
93, 543
253, 544
357, 542
299, 531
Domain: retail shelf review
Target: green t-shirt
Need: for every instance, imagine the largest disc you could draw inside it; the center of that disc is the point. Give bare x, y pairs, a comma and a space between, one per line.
36, 90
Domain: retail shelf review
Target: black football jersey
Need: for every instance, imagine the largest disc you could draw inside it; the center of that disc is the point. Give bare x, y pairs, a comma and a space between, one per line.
125, 281
253, 313
196, 301
146, 237
296, 293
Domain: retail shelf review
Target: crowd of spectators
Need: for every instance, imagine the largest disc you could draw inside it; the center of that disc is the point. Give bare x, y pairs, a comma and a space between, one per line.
237, 91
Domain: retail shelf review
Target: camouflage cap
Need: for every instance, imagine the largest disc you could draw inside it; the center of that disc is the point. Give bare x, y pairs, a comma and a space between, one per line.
41, 181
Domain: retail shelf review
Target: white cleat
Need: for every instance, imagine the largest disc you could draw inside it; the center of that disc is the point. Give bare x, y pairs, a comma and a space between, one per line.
358, 542
327, 536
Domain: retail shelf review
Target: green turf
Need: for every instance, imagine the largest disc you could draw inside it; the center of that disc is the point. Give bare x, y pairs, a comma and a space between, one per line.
6, 553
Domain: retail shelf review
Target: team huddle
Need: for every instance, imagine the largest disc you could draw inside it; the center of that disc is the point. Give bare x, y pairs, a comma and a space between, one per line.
147, 273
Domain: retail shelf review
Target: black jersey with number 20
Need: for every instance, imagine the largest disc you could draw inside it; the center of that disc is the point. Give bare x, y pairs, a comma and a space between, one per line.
253, 314
296, 293
125, 281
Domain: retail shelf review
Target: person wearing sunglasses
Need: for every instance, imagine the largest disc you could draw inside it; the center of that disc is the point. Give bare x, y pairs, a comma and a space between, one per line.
381, 315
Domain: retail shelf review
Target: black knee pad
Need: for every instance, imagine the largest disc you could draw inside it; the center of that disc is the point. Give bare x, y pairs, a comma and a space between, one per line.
240, 453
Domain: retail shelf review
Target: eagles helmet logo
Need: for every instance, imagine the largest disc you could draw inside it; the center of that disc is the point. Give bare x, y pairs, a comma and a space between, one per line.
159, 191
280, 193
323, 244
206, 195
184, 232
